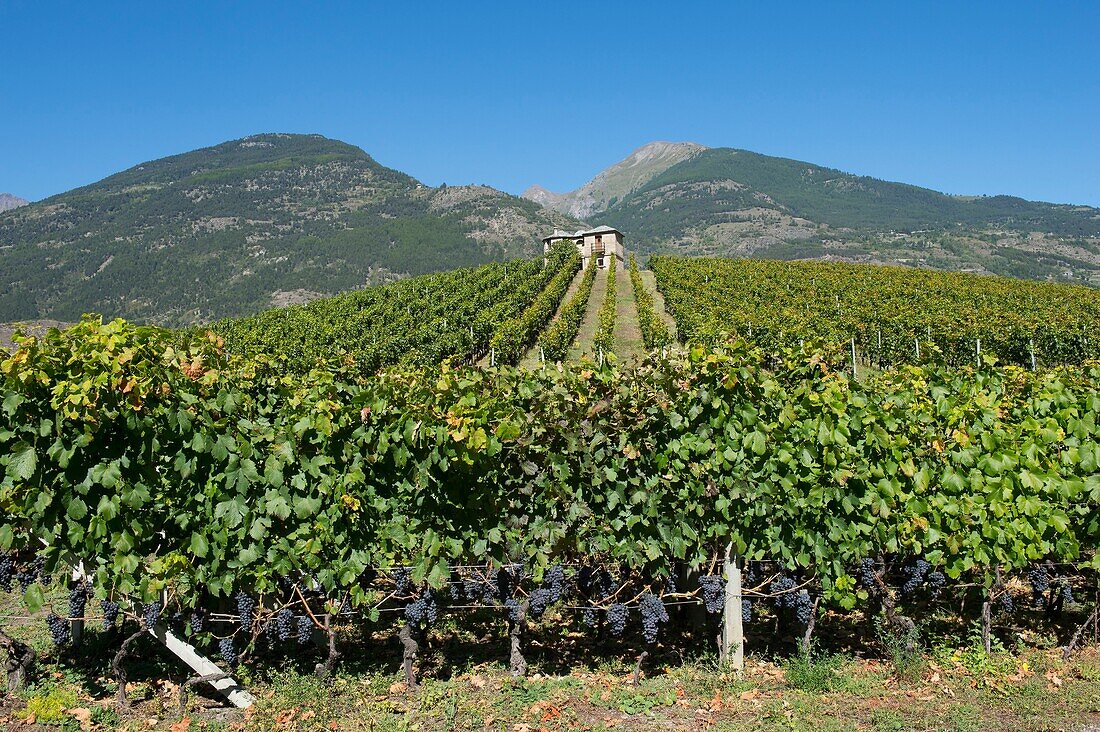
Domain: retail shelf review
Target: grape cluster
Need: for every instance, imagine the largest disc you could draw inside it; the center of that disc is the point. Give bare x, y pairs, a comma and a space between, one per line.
936, 582
714, 593
781, 588
284, 624
60, 630
803, 608
554, 583
868, 575
305, 629
538, 601
198, 620
746, 610
29, 576
513, 610
423, 611
589, 617
595, 582
616, 619
402, 581
1039, 579
1005, 604
151, 614
228, 651
915, 573
246, 611
78, 600
1067, 593
653, 614
7, 572
110, 615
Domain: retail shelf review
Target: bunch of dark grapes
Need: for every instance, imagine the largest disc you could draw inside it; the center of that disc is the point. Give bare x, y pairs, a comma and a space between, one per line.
868, 575
78, 600
284, 624
803, 608
616, 619
197, 620
60, 630
914, 573
714, 593
7, 571
228, 651
471, 587
490, 589
1039, 579
423, 611
653, 614
781, 589
1005, 603
554, 583
29, 576
512, 606
151, 614
936, 582
538, 601
110, 615
1067, 594
589, 617
246, 610
746, 610
595, 582
305, 629
456, 591
402, 580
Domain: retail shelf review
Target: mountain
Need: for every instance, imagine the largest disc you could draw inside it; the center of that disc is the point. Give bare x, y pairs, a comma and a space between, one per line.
729, 202
622, 178
227, 230
8, 202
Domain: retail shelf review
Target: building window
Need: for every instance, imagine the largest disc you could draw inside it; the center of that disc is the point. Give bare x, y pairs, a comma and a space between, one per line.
600, 262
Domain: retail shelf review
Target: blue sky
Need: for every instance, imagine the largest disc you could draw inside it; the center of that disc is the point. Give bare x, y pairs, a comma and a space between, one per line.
963, 97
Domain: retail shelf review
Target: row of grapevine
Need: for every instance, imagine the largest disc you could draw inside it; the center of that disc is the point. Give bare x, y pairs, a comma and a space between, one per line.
181, 468
605, 318
418, 321
556, 339
894, 315
516, 334
655, 333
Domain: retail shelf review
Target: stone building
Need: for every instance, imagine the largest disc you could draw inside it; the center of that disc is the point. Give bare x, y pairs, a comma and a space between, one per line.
600, 243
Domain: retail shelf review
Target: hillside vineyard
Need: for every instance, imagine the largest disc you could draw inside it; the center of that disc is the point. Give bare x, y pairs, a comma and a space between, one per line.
296, 496
375, 459
889, 315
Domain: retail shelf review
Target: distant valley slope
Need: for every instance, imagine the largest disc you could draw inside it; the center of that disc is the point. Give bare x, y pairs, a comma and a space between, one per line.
680, 197
8, 202
231, 229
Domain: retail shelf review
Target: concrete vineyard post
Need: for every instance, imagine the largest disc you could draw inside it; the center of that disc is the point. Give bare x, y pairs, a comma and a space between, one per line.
733, 635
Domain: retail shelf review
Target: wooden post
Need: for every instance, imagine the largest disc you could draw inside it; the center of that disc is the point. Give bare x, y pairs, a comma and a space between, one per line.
978, 352
855, 373
1031, 347
237, 695
917, 341
733, 635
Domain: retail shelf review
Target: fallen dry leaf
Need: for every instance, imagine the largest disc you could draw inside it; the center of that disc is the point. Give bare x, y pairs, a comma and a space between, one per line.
181, 726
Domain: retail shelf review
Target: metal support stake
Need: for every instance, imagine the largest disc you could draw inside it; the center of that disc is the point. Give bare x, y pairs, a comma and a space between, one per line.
855, 372
1031, 347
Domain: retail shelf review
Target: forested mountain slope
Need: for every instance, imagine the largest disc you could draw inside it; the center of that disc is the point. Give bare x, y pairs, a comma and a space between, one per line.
231, 229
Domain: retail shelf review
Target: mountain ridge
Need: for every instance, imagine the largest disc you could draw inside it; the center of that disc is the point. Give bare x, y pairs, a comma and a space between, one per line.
246, 224
732, 202
9, 201
617, 180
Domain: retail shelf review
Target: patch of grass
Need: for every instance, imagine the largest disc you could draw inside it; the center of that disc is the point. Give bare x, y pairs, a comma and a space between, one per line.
813, 671
48, 704
903, 650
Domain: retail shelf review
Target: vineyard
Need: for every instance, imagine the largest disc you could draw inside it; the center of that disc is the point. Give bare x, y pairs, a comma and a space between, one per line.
373, 463
888, 315
459, 315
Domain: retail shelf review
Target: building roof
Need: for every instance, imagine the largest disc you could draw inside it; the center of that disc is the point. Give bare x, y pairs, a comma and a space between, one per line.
559, 234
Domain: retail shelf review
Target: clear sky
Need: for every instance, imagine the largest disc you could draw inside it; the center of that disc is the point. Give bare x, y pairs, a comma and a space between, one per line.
999, 97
